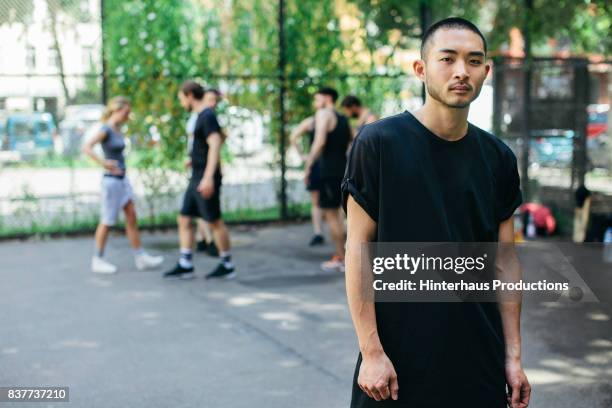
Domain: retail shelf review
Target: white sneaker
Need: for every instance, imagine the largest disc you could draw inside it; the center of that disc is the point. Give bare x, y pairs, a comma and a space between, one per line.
336, 264
99, 265
146, 261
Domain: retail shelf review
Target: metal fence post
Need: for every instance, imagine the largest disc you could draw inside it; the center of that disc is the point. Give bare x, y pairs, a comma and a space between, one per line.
281, 102
527, 67
581, 101
103, 56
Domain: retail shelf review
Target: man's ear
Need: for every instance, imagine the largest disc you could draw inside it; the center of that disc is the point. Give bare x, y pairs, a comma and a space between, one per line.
419, 69
487, 67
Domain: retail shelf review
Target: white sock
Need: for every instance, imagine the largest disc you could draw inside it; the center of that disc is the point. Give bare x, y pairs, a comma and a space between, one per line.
185, 259
226, 259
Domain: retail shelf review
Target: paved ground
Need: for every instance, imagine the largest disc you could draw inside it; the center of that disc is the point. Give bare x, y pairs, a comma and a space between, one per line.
279, 336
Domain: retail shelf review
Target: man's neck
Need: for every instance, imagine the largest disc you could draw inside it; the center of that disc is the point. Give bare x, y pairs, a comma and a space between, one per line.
200, 106
363, 116
330, 107
448, 123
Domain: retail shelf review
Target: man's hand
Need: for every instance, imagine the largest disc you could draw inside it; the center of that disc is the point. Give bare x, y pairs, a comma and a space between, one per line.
307, 171
377, 377
519, 389
206, 187
112, 166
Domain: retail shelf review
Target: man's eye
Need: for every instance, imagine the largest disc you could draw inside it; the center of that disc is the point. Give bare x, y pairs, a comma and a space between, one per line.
476, 62
445, 59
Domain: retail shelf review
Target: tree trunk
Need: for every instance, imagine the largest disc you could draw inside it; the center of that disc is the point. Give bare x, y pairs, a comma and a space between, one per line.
56, 46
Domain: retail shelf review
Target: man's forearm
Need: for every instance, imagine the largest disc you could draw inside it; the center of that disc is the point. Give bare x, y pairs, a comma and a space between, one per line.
511, 322
212, 161
508, 269
361, 303
314, 154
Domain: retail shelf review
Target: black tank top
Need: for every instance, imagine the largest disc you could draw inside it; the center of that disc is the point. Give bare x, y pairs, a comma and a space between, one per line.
333, 158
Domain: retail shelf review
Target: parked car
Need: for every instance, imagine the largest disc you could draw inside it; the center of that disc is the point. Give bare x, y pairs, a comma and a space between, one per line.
557, 151
30, 134
79, 122
598, 120
3, 141
552, 148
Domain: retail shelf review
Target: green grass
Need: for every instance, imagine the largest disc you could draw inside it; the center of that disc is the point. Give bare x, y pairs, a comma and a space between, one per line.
88, 225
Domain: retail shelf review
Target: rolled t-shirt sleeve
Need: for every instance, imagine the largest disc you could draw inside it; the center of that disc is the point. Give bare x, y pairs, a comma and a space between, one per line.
361, 177
211, 124
510, 196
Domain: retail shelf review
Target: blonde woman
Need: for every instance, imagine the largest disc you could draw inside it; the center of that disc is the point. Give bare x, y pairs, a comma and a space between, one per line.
116, 189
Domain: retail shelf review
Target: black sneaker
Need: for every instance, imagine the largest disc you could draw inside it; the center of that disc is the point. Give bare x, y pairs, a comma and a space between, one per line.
221, 272
212, 250
180, 273
317, 240
201, 246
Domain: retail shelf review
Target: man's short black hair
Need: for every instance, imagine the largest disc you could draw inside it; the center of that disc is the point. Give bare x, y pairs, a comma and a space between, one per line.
350, 100
193, 88
213, 90
326, 90
451, 22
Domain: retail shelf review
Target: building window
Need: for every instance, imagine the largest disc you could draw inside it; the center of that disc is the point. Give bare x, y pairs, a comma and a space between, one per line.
87, 58
30, 57
53, 58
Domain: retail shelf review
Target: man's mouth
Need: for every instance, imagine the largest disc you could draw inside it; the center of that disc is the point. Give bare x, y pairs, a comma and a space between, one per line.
461, 88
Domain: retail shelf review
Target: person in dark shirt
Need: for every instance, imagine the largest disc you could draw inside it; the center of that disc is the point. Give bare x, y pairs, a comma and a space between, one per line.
332, 135
433, 177
306, 129
202, 198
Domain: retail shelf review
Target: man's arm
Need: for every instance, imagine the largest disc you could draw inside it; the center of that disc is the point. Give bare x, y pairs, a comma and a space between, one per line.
323, 119
298, 132
377, 377
510, 310
207, 185
371, 118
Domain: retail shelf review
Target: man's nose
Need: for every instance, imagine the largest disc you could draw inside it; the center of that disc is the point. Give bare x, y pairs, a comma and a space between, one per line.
460, 72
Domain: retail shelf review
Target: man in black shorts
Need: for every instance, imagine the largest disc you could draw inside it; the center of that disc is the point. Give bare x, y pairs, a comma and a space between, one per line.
203, 192
332, 135
313, 184
433, 177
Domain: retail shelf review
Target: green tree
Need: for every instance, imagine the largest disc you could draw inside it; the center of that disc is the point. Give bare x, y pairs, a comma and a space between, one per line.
583, 24
12, 11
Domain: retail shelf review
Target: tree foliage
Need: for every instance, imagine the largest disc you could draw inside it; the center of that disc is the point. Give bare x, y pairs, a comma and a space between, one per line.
152, 46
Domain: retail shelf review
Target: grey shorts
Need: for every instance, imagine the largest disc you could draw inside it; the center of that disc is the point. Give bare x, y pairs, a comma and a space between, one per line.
116, 193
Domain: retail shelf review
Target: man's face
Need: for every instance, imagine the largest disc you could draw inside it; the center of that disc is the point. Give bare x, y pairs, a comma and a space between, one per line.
185, 101
455, 67
211, 99
320, 101
352, 111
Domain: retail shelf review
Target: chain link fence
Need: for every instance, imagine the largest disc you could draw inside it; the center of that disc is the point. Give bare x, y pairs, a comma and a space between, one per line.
68, 56
558, 130
267, 58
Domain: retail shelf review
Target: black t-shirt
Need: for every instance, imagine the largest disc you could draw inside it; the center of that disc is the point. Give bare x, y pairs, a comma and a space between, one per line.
332, 161
419, 187
206, 123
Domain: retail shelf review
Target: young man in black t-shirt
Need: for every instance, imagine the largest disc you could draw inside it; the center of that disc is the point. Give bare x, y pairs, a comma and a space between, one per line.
202, 198
332, 135
433, 177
